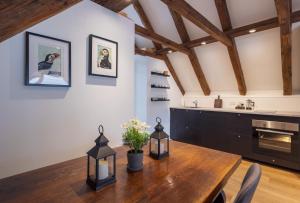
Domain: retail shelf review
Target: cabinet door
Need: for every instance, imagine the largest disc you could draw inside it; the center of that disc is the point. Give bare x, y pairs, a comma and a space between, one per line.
183, 125
177, 128
240, 134
215, 130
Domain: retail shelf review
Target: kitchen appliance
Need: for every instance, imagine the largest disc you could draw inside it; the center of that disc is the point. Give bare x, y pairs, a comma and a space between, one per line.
218, 102
275, 138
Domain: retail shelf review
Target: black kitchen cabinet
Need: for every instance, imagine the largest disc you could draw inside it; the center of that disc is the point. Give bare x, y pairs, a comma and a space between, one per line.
230, 132
214, 130
184, 126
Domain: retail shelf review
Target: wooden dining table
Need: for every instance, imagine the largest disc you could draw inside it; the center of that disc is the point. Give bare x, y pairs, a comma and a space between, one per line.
190, 174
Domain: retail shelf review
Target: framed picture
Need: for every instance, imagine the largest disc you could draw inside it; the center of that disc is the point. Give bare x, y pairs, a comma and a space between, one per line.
103, 57
48, 61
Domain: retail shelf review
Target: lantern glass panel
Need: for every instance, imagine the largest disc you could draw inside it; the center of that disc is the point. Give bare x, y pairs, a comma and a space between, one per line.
92, 168
163, 145
106, 168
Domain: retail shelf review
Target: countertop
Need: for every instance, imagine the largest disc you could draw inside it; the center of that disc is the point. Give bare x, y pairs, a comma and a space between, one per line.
256, 111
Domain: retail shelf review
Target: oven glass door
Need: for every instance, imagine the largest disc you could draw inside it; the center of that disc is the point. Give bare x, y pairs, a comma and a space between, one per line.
275, 140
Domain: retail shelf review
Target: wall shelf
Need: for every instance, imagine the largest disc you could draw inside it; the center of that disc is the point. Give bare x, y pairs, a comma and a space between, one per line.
157, 99
159, 74
159, 87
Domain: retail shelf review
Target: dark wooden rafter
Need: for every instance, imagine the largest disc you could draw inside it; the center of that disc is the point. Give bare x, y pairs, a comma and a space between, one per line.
114, 5
232, 50
244, 30
181, 29
187, 11
284, 8
19, 15
139, 9
164, 51
160, 39
148, 53
174, 75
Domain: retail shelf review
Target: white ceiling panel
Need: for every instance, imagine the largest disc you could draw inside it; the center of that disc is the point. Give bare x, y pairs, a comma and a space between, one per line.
132, 14
185, 72
243, 12
161, 19
261, 60
142, 42
217, 67
208, 9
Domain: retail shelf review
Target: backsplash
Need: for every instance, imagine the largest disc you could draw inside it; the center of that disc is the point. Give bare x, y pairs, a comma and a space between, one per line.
263, 101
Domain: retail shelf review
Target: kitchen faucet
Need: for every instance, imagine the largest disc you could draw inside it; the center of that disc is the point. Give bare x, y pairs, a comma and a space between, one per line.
196, 103
250, 104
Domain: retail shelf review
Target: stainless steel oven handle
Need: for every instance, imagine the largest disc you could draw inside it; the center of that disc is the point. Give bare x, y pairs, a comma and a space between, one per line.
274, 131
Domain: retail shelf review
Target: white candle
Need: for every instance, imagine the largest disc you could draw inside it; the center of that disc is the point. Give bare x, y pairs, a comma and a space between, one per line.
162, 147
103, 169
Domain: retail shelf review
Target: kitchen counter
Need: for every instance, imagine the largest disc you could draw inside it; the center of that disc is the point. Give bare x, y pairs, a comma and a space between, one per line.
257, 112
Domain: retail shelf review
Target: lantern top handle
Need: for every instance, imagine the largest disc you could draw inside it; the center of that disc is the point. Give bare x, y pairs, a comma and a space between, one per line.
101, 129
158, 119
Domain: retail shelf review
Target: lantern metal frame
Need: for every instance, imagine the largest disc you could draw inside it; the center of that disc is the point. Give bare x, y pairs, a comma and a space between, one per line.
159, 135
100, 151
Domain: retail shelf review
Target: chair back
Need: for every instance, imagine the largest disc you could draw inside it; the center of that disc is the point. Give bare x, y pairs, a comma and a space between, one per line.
249, 184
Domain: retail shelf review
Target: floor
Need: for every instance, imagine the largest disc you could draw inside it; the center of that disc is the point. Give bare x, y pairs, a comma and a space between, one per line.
276, 185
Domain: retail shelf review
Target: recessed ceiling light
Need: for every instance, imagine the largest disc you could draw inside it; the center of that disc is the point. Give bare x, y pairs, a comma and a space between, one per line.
170, 51
252, 31
203, 43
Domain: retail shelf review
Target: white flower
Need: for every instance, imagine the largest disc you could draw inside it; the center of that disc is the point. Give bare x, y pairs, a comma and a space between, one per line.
136, 124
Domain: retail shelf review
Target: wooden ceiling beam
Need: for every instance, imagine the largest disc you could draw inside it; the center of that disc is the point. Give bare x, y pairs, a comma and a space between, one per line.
174, 75
148, 53
232, 50
19, 15
244, 30
182, 31
160, 39
139, 9
284, 9
187, 11
114, 5
164, 51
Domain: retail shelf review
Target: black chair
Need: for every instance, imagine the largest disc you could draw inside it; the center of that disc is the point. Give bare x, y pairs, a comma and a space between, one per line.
248, 187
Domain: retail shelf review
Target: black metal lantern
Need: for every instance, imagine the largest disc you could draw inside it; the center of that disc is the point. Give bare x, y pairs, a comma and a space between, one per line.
101, 163
159, 142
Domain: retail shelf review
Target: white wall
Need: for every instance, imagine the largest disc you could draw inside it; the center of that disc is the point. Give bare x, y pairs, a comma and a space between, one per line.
161, 109
40, 126
144, 92
141, 87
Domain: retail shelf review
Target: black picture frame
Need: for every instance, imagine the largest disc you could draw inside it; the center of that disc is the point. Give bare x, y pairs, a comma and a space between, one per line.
90, 69
27, 63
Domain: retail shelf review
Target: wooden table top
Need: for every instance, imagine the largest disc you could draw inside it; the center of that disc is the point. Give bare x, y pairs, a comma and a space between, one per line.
189, 174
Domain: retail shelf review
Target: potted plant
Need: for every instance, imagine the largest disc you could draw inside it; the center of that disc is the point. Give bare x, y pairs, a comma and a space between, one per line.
135, 136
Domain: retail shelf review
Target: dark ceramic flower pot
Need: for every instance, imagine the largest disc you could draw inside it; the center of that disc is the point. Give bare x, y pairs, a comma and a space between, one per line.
135, 160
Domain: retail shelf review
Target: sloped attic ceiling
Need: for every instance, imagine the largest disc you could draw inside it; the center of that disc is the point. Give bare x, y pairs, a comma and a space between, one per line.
260, 53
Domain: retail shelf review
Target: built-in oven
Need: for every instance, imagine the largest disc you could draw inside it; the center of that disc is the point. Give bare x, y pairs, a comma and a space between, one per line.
275, 138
